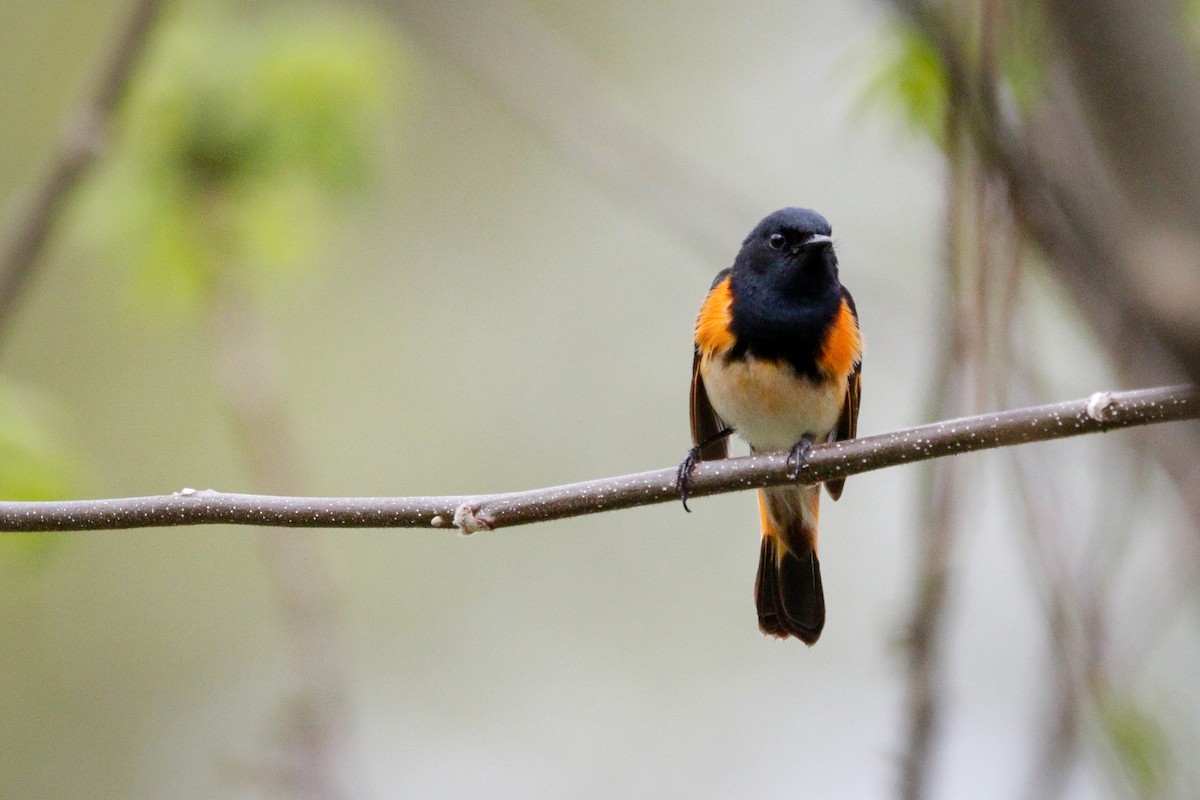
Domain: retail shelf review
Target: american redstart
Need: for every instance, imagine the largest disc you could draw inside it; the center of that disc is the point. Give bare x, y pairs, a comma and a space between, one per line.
778, 359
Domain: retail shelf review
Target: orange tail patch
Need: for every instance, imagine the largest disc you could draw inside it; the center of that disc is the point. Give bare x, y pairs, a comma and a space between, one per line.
788, 592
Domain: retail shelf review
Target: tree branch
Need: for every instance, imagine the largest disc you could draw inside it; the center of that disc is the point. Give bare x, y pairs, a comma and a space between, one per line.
1103, 411
82, 143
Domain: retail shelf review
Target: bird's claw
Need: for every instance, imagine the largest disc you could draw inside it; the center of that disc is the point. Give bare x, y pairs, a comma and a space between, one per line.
684, 473
798, 455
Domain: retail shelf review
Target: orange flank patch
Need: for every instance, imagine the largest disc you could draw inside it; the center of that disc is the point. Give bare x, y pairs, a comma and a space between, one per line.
712, 326
843, 345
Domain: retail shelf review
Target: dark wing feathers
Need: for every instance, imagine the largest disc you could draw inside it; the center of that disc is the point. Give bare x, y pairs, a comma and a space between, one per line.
705, 422
847, 426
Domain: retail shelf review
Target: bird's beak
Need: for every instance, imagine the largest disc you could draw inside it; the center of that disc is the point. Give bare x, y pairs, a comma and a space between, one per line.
814, 241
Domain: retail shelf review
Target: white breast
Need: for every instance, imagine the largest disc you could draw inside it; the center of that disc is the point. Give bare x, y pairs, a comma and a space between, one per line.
768, 404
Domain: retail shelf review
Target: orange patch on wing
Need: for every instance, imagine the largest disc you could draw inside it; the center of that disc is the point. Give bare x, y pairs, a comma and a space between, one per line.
843, 344
712, 326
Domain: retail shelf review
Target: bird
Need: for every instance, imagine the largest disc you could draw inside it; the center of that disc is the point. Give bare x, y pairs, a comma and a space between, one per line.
778, 360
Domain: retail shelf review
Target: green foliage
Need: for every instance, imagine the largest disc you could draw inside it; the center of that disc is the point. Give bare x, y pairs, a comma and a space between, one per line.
235, 145
1140, 744
911, 83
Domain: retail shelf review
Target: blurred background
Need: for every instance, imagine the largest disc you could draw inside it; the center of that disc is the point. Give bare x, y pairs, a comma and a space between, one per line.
400, 248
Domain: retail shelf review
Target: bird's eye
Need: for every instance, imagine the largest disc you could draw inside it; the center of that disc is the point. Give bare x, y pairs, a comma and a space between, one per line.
777, 241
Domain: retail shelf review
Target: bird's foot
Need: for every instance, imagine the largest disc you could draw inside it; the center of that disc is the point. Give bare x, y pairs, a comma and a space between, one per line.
684, 474
798, 456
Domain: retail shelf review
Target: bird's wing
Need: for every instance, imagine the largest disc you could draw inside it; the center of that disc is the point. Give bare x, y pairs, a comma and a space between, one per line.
706, 424
847, 427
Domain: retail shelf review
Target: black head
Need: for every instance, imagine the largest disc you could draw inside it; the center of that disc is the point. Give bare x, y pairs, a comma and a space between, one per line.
790, 251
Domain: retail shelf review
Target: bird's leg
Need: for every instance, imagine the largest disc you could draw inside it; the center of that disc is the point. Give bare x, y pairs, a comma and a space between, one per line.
798, 456
684, 473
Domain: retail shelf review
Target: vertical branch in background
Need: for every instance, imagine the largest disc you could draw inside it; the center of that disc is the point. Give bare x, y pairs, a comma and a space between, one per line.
1072, 555
1134, 69
318, 724
980, 295
941, 489
1075, 620
1076, 558
1065, 201
83, 140
989, 282
233, 152
1056, 187
938, 498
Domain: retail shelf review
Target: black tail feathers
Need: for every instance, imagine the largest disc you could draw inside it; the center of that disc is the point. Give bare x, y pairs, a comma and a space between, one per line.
788, 593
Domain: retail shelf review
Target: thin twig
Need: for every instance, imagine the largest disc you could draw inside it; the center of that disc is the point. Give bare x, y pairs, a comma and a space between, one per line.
1103, 411
81, 145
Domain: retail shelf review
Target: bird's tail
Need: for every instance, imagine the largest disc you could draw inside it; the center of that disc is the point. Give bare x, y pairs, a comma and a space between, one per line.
788, 589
